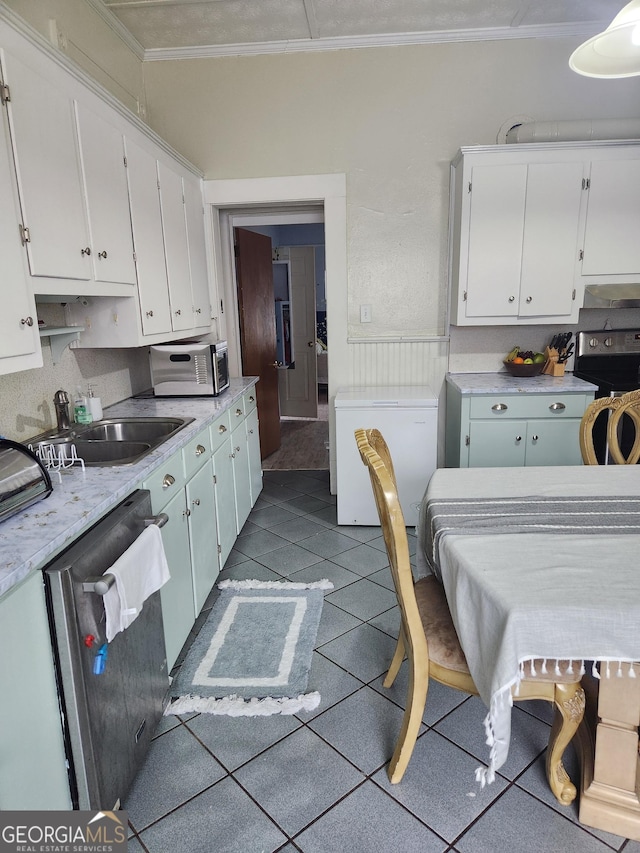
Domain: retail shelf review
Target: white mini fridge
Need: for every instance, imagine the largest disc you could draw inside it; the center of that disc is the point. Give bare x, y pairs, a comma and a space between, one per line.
407, 417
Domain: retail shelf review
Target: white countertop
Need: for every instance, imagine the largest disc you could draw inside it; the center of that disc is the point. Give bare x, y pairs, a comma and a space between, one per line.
504, 383
29, 539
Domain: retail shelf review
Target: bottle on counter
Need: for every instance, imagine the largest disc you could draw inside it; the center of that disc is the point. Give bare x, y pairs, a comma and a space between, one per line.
81, 413
95, 405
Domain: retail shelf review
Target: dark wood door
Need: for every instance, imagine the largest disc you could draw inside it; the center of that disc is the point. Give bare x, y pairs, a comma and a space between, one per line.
254, 273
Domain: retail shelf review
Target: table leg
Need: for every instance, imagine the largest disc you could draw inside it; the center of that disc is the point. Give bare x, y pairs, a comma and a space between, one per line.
608, 742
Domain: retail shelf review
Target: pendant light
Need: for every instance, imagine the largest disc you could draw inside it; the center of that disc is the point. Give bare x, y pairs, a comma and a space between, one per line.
614, 52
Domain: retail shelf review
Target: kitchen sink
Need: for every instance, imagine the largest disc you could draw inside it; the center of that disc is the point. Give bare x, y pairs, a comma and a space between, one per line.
111, 441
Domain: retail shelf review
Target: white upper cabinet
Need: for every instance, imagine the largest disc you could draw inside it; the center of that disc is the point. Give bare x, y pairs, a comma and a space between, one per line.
194, 209
514, 239
176, 247
611, 251
45, 148
19, 338
105, 183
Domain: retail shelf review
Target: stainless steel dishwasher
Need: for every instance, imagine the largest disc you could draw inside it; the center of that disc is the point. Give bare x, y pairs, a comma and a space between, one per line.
112, 695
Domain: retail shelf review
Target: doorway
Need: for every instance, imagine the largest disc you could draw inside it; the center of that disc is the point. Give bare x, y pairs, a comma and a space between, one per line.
280, 276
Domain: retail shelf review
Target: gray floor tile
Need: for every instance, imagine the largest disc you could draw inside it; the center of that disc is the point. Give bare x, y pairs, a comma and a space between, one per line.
360, 532
279, 494
134, 846
332, 682
257, 544
307, 505
236, 740
297, 527
327, 516
234, 558
389, 622
383, 577
289, 559
223, 818
364, 560
519, 822
302, 482
270, 516
367, 821
364, 652
439, 787
176, 768
465, 726
363, 599
363, 727
333, 622
338, 576
327, 543
298, 779
441, 700
248, 570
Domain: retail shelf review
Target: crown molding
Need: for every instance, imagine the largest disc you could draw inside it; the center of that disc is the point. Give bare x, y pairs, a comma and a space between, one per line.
385, 40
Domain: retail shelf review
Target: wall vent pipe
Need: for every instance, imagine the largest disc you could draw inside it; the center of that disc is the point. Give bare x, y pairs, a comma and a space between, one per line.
574, 131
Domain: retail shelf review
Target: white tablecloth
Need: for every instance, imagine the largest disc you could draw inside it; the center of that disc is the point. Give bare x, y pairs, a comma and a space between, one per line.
517, 597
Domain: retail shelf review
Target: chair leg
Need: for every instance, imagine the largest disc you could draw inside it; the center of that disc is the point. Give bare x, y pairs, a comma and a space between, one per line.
570, 703
416, 699
396, 663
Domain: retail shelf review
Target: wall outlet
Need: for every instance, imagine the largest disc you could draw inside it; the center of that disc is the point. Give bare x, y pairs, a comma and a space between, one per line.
365, 313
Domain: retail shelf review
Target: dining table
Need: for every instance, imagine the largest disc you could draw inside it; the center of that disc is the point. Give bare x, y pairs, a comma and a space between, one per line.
542, 564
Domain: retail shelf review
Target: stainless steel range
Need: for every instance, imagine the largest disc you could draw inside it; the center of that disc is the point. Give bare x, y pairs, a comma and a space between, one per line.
610, 359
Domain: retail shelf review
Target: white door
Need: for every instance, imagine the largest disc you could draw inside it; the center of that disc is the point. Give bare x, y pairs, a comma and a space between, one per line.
148, 241
176, 248
105, 181
45, 148
298, 388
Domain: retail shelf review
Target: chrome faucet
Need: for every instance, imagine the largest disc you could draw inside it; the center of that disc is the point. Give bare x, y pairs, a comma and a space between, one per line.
61, 403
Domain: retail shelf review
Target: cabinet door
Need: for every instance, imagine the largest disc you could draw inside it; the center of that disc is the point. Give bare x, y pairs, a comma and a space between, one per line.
177, 594
197, 252
253, 450
493, 444
203, 533
176, 248
611, 244
240, 456
105, 181
146, 220
550, 245
45, 150
553, 442
498, 195
224, 488
19, 339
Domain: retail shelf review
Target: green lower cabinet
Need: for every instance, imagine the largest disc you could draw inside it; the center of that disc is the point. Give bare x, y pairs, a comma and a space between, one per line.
203, 533
255, 461
225, 501
241, 474
511, 444
177, 594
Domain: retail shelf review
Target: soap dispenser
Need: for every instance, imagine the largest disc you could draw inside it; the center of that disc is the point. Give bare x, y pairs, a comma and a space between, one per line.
95, 405
81, 412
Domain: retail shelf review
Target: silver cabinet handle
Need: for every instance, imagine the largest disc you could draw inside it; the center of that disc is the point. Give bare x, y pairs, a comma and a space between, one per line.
518, 438
499, 407
534, 438
237, 450
252, 399
168, 480
27, 321
86, 251
250, 432
149, 313
198, 310
529, 299
238, 412
512, 299
200, 450
187, 513
196, 502
557, 407
232, 456
222, 429
178, 312
103, 255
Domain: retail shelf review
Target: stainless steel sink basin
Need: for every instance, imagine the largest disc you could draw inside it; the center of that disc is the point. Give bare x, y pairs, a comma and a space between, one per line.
112, 441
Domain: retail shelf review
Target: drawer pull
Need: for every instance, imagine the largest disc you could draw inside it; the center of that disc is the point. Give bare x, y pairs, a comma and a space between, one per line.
237, 450
512, 299
534, 438
222, 429
187, 513
557, 407
529, 299
200, 450
238, 412
518, 438
168, 480
499, 407
196, 502
252, 399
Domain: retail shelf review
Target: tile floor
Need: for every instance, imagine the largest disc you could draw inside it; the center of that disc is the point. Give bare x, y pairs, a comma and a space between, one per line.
316, 782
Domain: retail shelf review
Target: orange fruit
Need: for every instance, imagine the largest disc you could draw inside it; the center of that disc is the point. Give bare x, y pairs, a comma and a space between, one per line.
518, 360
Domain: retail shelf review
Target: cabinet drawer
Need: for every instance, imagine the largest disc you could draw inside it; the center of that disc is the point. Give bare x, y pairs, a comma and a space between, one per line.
529, 406
249, 401
220, 430
196, 453
166, 482
236, 413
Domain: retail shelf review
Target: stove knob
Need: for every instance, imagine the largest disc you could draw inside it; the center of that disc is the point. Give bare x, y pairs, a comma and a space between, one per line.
593, 343
608, 342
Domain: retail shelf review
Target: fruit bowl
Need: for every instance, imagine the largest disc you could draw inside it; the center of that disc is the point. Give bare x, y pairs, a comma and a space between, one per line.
534, 369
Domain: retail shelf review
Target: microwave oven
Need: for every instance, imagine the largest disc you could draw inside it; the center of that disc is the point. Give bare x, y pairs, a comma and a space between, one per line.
189, 369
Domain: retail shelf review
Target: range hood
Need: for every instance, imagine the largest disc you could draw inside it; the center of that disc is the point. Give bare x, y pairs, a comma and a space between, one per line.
612, 296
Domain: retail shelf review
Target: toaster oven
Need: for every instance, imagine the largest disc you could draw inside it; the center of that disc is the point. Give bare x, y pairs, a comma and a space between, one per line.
189, 369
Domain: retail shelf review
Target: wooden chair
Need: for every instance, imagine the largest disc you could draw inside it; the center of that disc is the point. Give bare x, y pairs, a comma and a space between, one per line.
429, 641
618, 407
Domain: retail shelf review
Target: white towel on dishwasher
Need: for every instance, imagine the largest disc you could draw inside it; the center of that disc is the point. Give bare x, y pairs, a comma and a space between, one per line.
139, 572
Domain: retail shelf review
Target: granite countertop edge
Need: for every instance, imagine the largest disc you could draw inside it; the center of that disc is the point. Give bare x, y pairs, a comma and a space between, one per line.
31, 538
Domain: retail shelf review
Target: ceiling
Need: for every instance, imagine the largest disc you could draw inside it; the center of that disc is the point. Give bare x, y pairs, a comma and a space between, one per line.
164, 29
